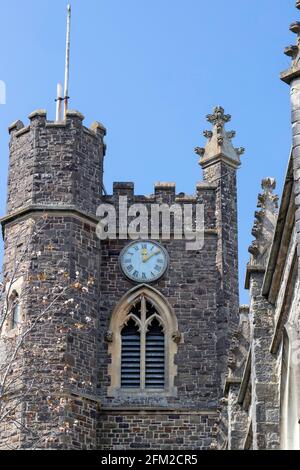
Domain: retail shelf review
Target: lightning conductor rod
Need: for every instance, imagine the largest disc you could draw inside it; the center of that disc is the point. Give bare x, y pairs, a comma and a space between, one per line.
63, 95
67, 66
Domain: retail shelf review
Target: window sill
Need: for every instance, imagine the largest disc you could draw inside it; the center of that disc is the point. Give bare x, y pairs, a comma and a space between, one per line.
134, 392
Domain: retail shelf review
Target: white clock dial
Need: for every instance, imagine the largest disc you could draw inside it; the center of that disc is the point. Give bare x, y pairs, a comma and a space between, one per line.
144, 261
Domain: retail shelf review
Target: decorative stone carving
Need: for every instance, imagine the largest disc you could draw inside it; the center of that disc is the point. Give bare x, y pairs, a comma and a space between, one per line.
264, 225
214, 446
293, 51
224, 401
109, 336
199, 151
208, 134
218, 117
176, 337
231, 134
219, 145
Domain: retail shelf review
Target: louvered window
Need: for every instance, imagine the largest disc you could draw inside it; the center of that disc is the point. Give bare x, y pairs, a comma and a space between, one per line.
155, 356
131, 356
143, 348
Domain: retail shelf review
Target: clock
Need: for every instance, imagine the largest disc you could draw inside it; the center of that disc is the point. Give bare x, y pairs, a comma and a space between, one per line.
144, 261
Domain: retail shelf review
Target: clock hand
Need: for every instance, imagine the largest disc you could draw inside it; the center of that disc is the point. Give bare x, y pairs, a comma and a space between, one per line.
145, 259
144, 254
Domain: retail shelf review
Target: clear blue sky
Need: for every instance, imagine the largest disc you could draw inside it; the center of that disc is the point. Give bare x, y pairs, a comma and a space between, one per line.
151, 71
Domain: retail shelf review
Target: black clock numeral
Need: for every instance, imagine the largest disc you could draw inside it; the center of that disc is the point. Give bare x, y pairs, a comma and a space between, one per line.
135, 274
130, 268
160, 261
144, 246
144, 276
127, 261
157, 268
152, 274
136, 248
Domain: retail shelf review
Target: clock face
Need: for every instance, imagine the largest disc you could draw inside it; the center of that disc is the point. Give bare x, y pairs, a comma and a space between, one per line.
144, 261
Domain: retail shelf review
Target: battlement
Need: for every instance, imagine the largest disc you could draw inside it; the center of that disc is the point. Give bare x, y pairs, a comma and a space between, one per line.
38, 118
161, 190
58, 163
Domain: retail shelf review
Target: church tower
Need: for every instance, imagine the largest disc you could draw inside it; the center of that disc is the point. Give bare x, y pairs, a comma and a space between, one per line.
111, 343
118, 359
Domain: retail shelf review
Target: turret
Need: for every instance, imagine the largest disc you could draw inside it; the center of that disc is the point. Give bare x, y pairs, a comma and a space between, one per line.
55, 164
220, 161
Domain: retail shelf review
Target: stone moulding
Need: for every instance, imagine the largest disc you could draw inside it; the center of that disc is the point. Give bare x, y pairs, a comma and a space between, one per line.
230, 381
53, 210
158, 410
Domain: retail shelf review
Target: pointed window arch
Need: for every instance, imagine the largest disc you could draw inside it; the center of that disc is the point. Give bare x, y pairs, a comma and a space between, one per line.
143, 343
16, 314
14, 318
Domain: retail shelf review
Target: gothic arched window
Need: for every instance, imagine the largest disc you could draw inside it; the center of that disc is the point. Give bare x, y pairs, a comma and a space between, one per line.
143, 348
143, 341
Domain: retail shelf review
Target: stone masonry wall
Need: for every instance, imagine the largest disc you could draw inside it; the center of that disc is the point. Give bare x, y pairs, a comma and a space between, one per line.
59, 367
190, 288
156, 431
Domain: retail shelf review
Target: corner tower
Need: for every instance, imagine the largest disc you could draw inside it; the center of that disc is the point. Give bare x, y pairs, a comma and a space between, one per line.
51, 252
220, 161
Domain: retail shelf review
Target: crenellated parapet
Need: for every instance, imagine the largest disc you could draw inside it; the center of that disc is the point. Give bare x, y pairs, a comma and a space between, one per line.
264, 225
56, 163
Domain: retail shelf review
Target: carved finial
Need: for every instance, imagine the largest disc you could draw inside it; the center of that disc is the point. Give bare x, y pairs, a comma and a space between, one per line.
219, 116
264, 225
219, 145
268, 184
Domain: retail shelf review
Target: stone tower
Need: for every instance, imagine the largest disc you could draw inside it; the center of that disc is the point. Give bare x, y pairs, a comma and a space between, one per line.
55, 179
80, 398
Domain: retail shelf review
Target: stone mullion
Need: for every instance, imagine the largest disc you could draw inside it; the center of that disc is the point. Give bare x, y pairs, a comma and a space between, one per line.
143, 343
